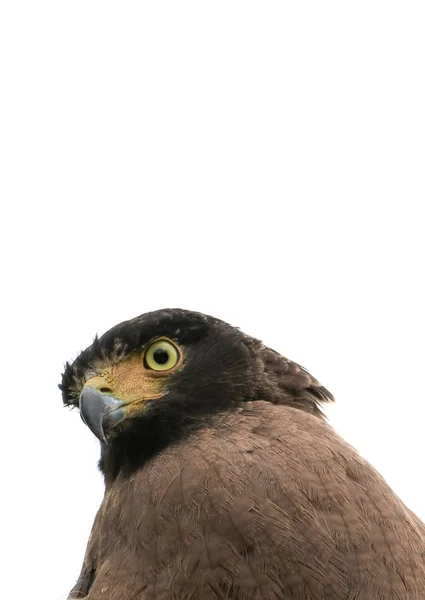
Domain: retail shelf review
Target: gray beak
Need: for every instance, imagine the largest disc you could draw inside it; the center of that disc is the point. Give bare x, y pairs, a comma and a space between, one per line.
100, 412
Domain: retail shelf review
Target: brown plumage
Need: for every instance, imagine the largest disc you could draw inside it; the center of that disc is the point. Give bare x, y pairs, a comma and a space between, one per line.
230, 484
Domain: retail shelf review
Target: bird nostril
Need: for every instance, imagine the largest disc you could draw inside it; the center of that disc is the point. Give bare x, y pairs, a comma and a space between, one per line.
105, 390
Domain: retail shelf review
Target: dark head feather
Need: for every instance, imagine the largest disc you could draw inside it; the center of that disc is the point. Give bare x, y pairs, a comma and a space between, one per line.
223, 368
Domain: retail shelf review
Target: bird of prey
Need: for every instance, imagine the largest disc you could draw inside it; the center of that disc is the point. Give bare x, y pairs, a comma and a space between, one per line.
223, 479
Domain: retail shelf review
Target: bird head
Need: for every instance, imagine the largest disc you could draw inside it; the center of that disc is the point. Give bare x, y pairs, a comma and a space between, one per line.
148, 381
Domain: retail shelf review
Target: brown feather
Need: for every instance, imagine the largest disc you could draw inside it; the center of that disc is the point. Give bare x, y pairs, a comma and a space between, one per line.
266, 503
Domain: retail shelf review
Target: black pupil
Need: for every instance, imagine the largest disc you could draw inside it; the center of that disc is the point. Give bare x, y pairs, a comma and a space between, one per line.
160, 356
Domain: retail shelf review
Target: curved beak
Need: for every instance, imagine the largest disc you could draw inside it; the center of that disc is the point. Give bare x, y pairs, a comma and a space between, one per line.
100, 411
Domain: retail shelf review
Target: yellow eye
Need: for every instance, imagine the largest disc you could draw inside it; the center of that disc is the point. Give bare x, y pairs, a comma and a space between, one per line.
161, 356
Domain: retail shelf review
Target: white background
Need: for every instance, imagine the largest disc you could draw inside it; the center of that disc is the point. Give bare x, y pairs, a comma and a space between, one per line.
259, 161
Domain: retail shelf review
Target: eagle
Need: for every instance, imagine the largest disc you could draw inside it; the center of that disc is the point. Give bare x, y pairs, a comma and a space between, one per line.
223, 479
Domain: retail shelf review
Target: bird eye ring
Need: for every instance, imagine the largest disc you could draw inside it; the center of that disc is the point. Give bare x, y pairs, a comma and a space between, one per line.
161, 355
